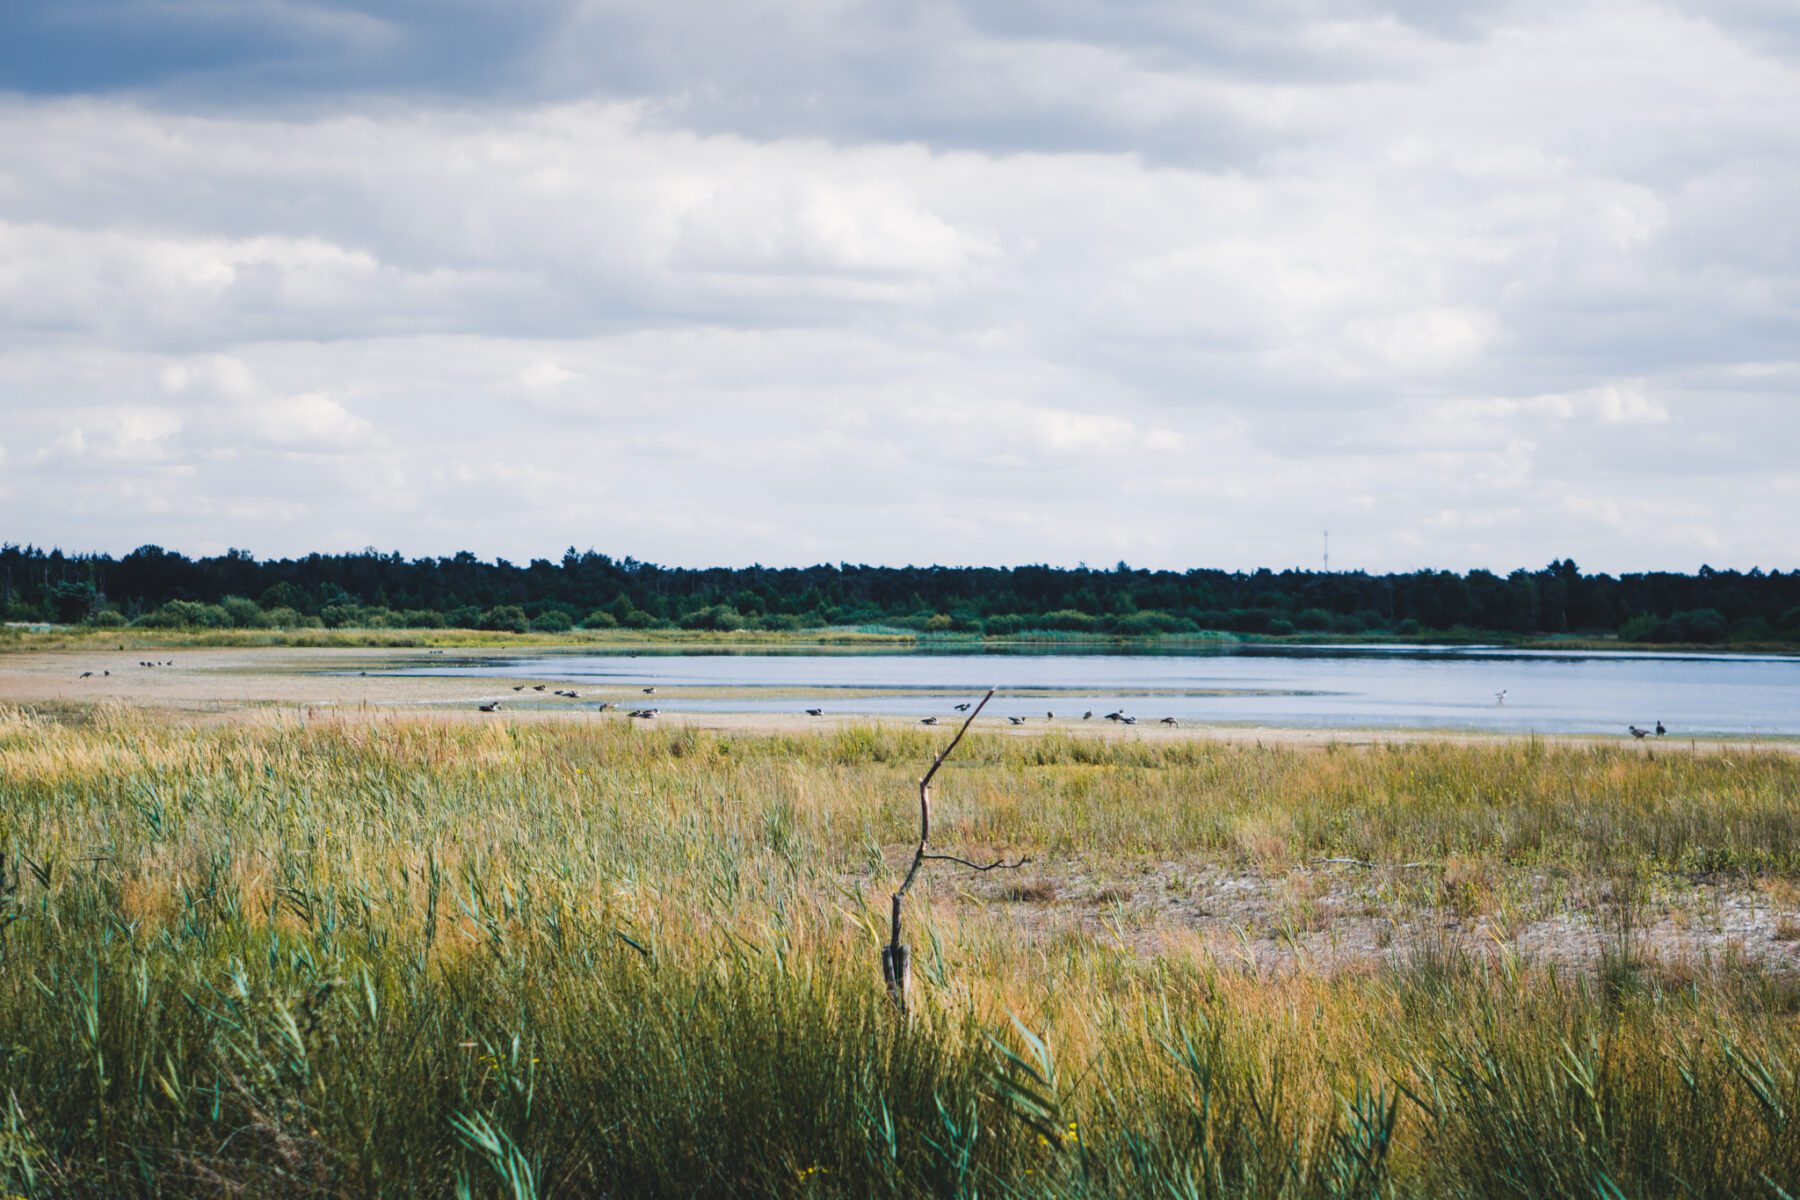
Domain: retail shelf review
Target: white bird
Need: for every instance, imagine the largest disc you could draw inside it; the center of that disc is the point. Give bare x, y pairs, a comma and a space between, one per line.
1017, 720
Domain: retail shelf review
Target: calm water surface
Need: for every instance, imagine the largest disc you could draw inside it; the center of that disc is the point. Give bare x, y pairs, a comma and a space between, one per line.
1312, 687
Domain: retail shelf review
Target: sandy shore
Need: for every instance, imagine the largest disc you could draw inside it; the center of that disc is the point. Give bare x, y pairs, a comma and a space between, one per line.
209, 685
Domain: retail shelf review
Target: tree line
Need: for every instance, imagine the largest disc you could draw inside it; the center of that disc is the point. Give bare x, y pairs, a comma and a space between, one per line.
158, 588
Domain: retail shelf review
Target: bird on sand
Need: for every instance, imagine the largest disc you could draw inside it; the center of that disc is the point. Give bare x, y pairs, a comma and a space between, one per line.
1088, 715
539, 687
1170, 721
929, 721
518, 687
87, 674
1016, 720
815, 712
1659, 729
1636, 732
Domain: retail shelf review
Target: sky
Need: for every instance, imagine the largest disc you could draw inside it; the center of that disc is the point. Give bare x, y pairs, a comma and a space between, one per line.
957, 281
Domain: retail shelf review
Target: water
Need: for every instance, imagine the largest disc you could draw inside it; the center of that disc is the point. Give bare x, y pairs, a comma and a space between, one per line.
1408, 687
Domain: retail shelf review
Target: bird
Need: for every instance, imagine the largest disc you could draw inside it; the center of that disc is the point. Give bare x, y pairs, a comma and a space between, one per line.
1016, 720
572, 694
1088, 715
1116, 716
494, 707
1170, 721
106, 672
1659, 729
644, 713
929, 721
87, 674
962, 708
1636, 732
815, 712
1128, 720
538, 687
518, 687
1049, 716
603, 706
1500, 696
649, 691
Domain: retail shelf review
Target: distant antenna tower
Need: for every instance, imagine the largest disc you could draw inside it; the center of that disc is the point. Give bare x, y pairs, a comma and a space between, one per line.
1328, 552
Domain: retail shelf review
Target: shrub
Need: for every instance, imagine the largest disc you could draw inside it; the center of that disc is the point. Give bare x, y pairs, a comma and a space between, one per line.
245, 613
553, 620
185, 614
107, 618
504, 618
721, 617
284, 618
1279, 626
599, 619
422, 618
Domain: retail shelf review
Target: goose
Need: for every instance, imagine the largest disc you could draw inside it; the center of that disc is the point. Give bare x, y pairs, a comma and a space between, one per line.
518, 687
962, 708
1049, 716
1116, 716
106, 672
1170, 721
87, 674
644, 713
1128, 720
538, 687
1659, 729
1636, 732
929, 721
494, 707
1088, 715
815, 712
649, 691
1016, 720
603, 706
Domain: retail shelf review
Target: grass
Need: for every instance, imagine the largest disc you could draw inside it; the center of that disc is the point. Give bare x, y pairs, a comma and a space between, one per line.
428, 958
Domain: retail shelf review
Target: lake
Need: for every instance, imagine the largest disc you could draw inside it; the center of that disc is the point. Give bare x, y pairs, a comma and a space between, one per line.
1348, 687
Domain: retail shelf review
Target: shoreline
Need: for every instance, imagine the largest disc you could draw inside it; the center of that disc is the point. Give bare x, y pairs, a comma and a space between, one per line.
260, 684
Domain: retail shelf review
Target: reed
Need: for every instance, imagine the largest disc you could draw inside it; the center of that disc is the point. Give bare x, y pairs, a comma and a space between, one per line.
411, 957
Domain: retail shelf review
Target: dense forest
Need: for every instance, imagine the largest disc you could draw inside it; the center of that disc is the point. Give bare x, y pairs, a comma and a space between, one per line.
157, 588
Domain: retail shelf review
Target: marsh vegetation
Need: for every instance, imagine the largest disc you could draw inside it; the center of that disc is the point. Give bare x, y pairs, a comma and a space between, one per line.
415, 957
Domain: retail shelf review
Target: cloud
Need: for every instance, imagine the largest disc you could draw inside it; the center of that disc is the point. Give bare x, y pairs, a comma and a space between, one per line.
980, 281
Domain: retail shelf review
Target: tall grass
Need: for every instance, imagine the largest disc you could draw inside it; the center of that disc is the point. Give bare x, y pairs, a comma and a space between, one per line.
425, 958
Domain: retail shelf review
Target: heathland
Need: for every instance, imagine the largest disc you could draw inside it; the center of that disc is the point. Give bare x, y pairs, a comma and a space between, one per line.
257, 953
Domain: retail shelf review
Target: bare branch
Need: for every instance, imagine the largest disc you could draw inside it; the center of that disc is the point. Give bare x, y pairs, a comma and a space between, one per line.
997, 864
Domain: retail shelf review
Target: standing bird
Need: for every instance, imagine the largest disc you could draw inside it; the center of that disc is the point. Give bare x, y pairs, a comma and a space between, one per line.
1500, 696
1636, 732
1659, 729
87, 674
649, 691
1170, 721
1088, 715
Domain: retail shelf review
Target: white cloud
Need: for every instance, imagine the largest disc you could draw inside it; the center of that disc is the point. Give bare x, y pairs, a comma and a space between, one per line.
978, 282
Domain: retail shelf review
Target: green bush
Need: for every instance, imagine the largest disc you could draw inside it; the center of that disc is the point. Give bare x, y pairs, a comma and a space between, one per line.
599, 619
107, 618
505, 618
553, 620
245, 613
